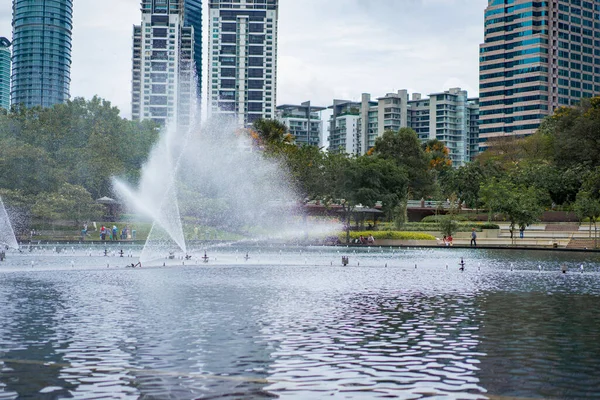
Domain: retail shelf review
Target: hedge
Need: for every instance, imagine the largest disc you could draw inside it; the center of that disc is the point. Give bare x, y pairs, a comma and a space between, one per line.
436, 218
435, 227
389, 235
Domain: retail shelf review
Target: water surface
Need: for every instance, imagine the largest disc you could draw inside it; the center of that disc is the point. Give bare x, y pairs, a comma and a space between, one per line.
290, 322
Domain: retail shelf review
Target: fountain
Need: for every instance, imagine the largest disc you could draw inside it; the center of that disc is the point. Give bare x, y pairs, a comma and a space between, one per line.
7, 234
214, 177
156, 196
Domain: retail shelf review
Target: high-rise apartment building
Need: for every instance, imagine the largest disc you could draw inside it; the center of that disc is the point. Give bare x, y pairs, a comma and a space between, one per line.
304, 122
4, 73
163, 52
242, 59
449, 116
41, 59
536, 56
192, 16
344, 127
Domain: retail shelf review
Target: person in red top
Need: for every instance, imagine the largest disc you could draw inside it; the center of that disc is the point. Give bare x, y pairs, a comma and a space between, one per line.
449, 240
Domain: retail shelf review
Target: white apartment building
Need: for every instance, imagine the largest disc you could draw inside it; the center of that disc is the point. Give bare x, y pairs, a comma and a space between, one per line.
242, 59
163, 52
303, 121
448, 116
344, 127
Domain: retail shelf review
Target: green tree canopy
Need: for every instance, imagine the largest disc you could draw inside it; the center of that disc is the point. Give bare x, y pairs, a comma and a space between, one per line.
519, 205
404, 148
81, 142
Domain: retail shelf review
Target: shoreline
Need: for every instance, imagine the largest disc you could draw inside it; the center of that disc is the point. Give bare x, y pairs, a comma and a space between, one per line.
350, 245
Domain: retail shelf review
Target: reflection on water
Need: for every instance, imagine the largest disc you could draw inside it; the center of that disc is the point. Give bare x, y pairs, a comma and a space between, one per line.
292, 324
541, 344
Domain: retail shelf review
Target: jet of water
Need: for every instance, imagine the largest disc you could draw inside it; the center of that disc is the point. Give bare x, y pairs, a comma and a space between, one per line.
7, 234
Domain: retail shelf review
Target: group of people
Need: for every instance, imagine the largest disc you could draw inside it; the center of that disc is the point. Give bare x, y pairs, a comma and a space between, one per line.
365, 240
447, 240
113, 234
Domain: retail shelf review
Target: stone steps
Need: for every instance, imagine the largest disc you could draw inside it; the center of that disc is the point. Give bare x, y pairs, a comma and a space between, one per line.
503, 242
579, 243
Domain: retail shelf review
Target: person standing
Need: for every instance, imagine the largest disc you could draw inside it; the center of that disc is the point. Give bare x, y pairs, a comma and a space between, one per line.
115, 232
103, 233
521, 231
473, 238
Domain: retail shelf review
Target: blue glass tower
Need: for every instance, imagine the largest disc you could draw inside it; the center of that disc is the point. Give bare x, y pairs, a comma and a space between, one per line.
41, 60
536, 56
4, 73
193, 17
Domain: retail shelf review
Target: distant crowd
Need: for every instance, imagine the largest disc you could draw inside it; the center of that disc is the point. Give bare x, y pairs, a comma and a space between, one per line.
365, 240
106, 233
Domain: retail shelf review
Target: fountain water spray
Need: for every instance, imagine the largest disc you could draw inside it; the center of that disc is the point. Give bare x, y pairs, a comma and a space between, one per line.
216, 178
156, 195
7, 234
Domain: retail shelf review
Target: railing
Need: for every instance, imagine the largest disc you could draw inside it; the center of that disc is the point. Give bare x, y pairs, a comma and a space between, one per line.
428, 204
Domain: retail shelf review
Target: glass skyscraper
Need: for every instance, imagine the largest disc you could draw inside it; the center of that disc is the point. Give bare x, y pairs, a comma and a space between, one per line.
536, 56
192, 16
41, 60
4, 73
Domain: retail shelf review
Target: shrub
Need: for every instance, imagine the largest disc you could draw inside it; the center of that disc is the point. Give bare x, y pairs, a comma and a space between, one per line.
448, 226
389, 235
438, 218
488, 225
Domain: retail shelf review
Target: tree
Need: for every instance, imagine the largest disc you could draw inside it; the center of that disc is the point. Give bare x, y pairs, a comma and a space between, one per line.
79, 204
270, 132
82, 142
404, 148
587, 206
366, 180
575, 134
70, 202
518, 204
27, 168
464, 182
376, 179
306, 166
438, 155
448, 225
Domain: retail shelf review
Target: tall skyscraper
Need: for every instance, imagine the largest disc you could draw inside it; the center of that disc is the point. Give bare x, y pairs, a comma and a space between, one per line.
242, 61
4, 73
41, 59
536, 56
192, 16
163, 51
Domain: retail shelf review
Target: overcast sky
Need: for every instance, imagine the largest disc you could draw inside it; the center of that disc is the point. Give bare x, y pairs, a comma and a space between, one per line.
327, 48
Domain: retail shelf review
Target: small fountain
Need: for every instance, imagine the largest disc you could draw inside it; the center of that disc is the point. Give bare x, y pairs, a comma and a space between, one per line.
7, 234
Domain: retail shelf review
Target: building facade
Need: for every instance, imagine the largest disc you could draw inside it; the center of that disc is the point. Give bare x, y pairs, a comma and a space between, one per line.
450, 116
163, 87
4, 73
192, 16
536, 56
41, 59
344, 127
304, 122
242, 59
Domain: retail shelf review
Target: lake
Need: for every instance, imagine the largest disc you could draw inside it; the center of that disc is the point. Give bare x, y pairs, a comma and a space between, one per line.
291, 322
